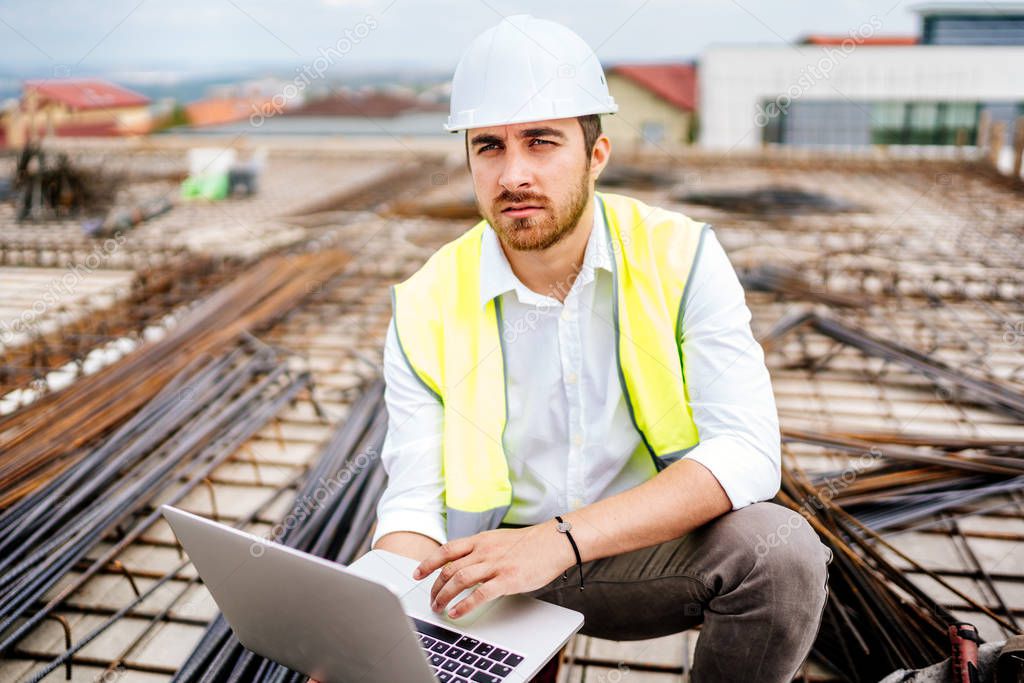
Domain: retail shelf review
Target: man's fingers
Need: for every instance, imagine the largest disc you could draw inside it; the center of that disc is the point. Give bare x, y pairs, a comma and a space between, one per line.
448, 570
484, 592
446, 552
462, 579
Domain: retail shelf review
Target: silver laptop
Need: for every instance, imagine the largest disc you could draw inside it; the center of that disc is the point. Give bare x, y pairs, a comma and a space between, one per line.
369, 622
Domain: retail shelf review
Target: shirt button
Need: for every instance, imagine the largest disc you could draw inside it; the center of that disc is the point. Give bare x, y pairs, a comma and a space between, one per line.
566, 314
577, 440
570, 378
577, 503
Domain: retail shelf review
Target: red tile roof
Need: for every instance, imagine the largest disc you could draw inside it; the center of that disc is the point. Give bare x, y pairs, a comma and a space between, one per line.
218, 110
822, 39
86, 94
674, 83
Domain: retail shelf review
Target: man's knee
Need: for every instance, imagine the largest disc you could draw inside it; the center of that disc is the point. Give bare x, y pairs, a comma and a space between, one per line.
777, 543
772, 593
788, 548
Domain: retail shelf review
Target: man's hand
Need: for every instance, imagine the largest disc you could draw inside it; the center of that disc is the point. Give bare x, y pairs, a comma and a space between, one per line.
502, 561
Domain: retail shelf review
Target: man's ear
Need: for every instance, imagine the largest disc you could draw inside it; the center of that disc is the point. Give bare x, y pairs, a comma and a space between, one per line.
600, 155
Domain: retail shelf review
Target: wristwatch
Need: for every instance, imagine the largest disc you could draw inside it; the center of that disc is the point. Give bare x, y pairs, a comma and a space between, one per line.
565, 527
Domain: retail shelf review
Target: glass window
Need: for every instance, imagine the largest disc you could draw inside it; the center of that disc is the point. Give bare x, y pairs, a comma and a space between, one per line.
924, 116
888, 120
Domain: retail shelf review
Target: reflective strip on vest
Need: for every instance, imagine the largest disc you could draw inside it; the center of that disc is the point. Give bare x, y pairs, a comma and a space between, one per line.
454, 345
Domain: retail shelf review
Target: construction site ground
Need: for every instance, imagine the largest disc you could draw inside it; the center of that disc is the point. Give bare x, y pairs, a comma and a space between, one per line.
926, 253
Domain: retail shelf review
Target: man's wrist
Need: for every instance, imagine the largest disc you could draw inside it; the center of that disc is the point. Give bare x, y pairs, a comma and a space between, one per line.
563, 549
564, 527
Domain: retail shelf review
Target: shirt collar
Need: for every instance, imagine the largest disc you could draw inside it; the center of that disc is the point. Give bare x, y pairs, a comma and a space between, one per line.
496, 276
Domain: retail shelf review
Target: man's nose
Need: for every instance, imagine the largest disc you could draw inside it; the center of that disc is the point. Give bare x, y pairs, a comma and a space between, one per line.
516, 172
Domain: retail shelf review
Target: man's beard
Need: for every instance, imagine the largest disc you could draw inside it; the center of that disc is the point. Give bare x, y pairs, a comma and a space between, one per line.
540, 231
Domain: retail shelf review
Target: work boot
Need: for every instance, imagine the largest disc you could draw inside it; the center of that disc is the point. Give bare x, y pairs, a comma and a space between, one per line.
1010, 664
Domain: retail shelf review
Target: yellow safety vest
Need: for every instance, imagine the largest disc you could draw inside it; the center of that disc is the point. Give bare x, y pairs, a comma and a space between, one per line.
454, 346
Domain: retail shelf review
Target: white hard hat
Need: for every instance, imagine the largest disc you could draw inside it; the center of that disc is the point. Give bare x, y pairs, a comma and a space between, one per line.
526, 69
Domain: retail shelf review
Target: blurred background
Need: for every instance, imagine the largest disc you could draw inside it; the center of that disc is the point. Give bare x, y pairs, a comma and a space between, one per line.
203, 205
725, 75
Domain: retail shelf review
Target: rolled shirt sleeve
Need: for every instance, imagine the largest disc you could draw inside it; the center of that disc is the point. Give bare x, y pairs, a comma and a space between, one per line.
729, 387
411, 454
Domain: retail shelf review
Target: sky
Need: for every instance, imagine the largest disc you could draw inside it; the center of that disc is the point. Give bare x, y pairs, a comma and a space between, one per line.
161, 38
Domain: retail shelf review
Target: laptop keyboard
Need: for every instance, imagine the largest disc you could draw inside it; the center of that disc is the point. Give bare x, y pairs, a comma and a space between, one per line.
460, 659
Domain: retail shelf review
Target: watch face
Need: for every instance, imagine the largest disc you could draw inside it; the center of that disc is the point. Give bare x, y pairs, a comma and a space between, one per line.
564, 526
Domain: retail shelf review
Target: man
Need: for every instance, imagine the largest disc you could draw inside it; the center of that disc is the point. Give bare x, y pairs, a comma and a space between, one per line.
586, 355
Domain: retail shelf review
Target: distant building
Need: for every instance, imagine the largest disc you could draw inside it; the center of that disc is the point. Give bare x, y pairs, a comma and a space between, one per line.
254, 100
963, 23
826, 39
657, 104
392, 110
214, 111
76, 107
369, 102
866, 89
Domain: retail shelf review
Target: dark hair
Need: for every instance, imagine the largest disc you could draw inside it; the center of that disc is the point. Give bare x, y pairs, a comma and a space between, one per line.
590, 123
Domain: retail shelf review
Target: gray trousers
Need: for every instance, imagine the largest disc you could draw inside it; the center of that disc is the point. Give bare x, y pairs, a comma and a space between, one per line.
756, 578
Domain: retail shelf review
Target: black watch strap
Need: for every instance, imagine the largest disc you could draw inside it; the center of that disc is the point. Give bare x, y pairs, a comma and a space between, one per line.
564, 528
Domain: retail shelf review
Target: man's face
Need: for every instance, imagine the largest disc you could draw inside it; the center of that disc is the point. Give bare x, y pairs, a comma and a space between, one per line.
532, 180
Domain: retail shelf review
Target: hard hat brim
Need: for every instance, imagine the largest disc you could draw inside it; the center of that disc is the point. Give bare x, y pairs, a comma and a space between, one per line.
526, 119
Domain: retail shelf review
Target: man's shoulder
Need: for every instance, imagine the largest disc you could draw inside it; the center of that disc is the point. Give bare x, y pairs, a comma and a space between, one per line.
645, 227
634, 213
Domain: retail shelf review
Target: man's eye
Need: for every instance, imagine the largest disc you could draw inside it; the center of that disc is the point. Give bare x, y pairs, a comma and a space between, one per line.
486, 147
546, 142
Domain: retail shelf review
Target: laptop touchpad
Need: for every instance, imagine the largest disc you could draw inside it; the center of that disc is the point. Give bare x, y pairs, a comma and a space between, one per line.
395, 572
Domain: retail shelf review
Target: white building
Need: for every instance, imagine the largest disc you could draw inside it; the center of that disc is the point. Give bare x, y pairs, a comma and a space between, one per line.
862, 89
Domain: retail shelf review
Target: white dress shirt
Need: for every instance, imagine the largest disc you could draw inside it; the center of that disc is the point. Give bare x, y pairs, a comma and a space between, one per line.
569, 439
